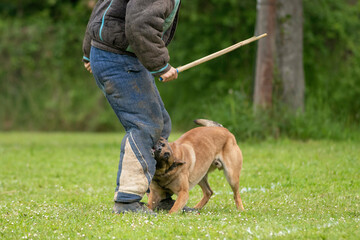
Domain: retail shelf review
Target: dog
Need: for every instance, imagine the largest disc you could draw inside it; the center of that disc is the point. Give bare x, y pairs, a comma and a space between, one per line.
186, 162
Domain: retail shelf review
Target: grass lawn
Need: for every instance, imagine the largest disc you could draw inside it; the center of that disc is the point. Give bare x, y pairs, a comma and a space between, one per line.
61, 185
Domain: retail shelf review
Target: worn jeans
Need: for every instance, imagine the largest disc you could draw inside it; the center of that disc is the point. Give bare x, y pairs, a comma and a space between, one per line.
131, 91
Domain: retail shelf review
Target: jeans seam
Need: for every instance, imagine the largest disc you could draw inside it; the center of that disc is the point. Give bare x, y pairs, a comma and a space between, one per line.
137, 148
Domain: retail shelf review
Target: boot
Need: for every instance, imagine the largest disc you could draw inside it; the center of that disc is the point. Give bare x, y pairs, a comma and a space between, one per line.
135, 207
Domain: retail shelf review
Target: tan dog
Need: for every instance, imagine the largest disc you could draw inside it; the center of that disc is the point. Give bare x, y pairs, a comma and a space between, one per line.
186, 162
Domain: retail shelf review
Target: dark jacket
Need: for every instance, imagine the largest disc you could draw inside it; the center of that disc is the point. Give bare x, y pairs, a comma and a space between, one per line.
142, 28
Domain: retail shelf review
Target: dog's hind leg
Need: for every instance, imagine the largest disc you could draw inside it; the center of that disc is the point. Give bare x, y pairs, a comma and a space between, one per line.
207, 192
233, 179
237, 198
232, 168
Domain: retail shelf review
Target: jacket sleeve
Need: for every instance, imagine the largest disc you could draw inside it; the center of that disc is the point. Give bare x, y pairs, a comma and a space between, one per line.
86, 47
87, 38
144, 30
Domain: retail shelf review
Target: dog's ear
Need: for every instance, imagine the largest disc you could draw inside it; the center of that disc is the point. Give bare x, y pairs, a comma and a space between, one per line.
179, 162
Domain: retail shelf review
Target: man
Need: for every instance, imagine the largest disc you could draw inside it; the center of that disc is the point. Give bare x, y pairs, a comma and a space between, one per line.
125, 47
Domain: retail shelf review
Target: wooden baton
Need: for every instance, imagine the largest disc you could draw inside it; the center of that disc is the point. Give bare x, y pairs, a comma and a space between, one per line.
219, 53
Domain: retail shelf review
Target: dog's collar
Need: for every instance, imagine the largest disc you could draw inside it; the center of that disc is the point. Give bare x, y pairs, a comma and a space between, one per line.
172, 167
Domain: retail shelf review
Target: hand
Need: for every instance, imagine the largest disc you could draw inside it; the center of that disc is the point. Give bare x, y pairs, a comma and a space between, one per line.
87, 66
169, 75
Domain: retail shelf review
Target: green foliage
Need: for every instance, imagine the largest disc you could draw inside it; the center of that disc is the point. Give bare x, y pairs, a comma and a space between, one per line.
45, 87
61, 186
332, 56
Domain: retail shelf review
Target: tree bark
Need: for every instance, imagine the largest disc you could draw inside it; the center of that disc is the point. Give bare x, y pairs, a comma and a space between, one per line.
266, 23
289, 42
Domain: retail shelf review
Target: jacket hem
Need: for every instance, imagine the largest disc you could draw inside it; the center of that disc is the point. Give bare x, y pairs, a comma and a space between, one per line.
105, 47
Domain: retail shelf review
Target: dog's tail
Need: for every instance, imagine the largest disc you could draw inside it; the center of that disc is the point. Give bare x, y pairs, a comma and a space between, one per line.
207, 123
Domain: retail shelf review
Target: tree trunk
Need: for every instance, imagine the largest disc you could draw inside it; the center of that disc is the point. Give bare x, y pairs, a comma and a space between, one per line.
289, 42
266, 23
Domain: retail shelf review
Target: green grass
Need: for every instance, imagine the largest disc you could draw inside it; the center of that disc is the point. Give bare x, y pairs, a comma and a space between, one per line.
61, 185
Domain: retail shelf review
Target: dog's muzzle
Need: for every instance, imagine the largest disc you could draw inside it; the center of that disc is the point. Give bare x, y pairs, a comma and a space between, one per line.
157, 151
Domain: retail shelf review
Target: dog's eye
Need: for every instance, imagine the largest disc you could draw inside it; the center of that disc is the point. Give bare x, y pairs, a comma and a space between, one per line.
166, 155
163, 144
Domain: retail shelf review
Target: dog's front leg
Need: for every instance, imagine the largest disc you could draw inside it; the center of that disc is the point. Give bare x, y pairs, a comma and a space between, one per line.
183, 197
154, 197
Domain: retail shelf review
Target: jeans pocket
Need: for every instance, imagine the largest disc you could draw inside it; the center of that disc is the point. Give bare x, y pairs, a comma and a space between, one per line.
132, 68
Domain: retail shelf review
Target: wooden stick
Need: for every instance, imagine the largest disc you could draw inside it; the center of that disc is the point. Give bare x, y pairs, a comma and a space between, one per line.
219, 53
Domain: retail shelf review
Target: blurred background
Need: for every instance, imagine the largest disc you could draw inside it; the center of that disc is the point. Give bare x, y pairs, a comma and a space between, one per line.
44, 86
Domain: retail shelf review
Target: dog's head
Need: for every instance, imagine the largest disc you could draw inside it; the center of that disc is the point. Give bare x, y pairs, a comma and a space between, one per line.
164, 156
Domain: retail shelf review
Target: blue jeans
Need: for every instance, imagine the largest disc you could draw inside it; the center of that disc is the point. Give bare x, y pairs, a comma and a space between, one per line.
131, 91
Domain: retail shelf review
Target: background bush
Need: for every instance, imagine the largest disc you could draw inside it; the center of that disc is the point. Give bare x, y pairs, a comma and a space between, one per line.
43, 85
